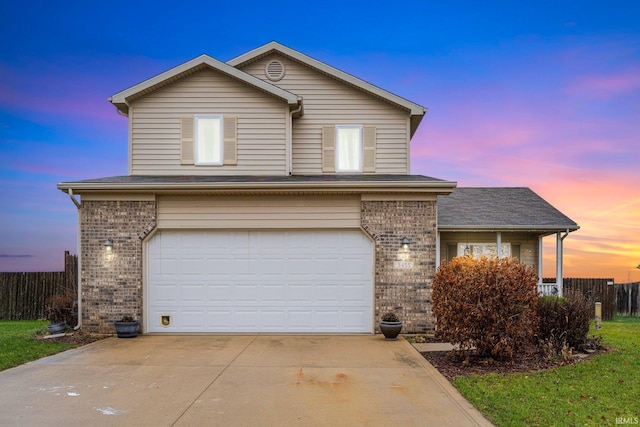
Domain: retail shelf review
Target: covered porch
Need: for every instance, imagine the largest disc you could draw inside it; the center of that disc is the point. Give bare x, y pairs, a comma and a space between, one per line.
502, 222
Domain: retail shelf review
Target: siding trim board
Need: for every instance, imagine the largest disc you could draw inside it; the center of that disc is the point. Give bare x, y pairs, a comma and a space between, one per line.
259, 212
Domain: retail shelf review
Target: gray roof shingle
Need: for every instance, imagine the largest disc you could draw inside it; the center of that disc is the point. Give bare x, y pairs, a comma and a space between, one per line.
498, 208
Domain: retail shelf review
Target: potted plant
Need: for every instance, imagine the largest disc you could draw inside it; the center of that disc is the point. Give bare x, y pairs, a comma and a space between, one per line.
59, 311
127, 327
390, 326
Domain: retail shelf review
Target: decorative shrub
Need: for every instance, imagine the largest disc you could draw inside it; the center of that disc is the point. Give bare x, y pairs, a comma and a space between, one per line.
390, 317
60, 308
486, 304
564, 321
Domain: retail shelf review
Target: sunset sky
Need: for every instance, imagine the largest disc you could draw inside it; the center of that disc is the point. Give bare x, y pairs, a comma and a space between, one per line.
544, 95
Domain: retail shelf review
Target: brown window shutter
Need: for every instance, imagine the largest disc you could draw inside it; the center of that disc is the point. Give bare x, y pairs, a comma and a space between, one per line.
369, 149
186, 140
230, 140
328, 148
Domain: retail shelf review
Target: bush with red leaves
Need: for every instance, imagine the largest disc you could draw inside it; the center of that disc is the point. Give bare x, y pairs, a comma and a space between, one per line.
486, 306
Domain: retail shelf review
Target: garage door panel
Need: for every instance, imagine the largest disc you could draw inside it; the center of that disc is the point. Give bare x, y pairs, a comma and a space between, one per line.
300, 293
219, 293
274, 293
167, 294
354, 319
260, 281
221, 320
352, 294
246, 293
273, 319
299, 265
191, 293
247, 320
271, 265
193, 320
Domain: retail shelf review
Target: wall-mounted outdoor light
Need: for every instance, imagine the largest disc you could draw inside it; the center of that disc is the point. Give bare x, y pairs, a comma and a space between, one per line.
108, 244
405, 243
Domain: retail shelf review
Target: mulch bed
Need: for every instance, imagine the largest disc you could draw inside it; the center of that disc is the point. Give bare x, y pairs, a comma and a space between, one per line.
79, 338
451, 366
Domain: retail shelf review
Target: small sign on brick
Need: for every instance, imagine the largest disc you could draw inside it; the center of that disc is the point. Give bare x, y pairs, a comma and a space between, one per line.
403, 264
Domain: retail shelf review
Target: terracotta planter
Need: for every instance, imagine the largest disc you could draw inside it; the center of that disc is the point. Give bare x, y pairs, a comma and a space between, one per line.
127, 329
390, 330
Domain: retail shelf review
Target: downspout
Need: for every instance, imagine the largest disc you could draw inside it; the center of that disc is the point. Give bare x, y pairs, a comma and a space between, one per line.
73, 199
290, 136
437, 250
79, 272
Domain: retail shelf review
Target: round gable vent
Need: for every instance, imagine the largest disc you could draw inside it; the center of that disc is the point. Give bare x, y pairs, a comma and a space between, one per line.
274, 70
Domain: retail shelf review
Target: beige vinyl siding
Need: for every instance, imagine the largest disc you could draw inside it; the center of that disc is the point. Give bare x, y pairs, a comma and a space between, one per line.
156, 118
330, 102
263, 212
527, 244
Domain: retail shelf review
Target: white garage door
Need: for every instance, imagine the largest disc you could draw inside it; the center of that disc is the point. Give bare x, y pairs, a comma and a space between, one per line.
260, 281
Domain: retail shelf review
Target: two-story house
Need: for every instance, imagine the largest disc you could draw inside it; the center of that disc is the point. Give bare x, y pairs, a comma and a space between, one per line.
270, 193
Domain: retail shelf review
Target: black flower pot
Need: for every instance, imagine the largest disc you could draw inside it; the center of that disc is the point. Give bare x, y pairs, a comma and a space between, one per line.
390, 330
127, 329
57, 328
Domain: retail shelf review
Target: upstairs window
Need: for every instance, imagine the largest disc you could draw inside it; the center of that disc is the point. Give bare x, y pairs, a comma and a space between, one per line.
348, 148
208, 139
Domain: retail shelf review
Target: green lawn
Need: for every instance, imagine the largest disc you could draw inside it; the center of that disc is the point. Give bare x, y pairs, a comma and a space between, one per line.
601, 391
18, 346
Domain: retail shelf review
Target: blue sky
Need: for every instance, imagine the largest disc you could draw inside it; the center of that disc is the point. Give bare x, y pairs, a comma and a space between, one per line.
541, 94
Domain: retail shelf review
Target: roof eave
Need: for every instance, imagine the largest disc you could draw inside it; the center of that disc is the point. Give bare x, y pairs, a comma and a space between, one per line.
439, 187
509, 228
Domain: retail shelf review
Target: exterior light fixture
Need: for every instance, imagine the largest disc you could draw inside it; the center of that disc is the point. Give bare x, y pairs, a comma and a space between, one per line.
108, 243
405, 242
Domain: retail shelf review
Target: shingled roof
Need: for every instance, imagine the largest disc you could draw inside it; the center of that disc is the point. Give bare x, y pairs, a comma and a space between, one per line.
499, 208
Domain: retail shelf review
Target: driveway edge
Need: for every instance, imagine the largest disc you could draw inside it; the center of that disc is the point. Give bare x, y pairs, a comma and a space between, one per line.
472, 413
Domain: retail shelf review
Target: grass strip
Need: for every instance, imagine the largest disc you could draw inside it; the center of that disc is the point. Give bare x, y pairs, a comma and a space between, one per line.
18, 344
602, 390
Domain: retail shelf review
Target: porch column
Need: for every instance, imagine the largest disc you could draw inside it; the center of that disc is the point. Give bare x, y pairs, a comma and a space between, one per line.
540, 256
559, 280
437, 250
498, 244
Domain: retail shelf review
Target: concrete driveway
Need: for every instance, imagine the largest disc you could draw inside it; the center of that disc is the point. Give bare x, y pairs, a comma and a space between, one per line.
245, 380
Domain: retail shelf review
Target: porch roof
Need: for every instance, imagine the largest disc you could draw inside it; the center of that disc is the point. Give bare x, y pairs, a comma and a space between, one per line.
500, 209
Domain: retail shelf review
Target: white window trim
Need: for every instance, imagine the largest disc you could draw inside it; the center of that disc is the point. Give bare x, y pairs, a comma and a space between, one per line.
337, 151
195, 139
488, 249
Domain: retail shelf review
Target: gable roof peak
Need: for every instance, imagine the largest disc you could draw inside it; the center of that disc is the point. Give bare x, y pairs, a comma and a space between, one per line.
121, 99
417, 111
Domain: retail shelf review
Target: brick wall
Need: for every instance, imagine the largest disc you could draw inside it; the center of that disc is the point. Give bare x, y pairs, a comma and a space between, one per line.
403, 277
112, 279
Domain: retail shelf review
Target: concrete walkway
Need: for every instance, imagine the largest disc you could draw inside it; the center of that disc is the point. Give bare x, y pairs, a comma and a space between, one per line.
241, 380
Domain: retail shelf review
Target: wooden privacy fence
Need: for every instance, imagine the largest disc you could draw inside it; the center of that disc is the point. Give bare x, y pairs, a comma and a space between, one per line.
599, 290
23, 295
628, 299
